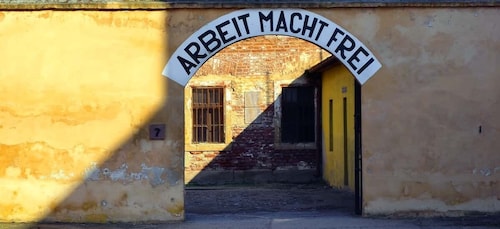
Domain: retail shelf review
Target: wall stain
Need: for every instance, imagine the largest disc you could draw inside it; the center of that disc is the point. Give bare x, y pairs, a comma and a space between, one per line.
85, 206
450, 193
8, 210
176, 209
122, 201
129, 21
30, 160
73, 115
96, 218
45, 14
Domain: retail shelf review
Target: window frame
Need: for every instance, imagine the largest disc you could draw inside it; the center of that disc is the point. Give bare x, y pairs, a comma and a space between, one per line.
188, 117
297, 117
207, 115
278, 86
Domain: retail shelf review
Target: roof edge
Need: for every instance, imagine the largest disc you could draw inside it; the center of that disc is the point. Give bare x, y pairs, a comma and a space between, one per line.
156, 5
323, 65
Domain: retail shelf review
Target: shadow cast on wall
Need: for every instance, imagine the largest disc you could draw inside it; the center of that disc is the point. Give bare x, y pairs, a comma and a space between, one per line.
255, 157
139, 178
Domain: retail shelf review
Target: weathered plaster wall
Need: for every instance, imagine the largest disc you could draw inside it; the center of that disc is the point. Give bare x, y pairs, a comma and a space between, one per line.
79, 90
431, 114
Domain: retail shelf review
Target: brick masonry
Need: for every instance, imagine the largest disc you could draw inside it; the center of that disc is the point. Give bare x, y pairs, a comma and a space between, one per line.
254, 153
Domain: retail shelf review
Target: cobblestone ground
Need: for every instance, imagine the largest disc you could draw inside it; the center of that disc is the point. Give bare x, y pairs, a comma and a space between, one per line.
267, 198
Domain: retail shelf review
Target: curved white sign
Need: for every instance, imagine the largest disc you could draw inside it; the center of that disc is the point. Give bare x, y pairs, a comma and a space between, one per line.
243, 24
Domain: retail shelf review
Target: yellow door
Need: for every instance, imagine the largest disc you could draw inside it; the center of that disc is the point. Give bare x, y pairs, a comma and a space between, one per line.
338, 126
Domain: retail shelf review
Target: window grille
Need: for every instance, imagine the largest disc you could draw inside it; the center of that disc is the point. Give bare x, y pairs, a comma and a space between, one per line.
297, 117
208, 115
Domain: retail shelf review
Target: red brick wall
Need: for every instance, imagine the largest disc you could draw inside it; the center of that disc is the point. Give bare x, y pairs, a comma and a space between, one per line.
263, 55
256, 64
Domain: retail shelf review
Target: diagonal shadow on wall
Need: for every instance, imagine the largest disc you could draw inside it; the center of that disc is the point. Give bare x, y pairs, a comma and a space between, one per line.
247, 175
255, 157
136, 174
141, 177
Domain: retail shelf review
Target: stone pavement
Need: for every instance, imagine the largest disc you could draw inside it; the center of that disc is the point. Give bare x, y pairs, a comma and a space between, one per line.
308, 206
290, 220
330, 219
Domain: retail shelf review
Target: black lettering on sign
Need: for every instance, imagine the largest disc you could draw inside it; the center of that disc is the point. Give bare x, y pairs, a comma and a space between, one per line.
343, 47
223, 33
292, 20
297, 23
236, 26
355, 58
194, 53
323, 25
370, 61
193, 50
334, 36
186, 64
309, 27
245, 22
263, 18
281, 23
212, 43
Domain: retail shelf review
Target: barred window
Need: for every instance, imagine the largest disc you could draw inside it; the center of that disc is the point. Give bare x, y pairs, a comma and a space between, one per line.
208, 115
297, 116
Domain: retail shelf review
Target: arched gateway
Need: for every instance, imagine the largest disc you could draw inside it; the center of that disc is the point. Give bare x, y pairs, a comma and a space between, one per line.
91, 130
248, 23
243, 24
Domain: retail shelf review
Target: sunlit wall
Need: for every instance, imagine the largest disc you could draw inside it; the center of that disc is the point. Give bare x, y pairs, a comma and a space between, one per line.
80, 90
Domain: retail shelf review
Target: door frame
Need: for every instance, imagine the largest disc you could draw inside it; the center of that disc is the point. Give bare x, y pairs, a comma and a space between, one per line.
358, 165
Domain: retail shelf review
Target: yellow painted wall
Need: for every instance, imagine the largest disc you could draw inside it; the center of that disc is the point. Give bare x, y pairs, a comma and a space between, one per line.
421, 114
337, 84
78, 92
79, 89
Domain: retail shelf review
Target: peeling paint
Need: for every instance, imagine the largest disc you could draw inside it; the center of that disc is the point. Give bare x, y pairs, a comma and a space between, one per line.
92, 173
61, 175
486, 172
155, 175
119, 174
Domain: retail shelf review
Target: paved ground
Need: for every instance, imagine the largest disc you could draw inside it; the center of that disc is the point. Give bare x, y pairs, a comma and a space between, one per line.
281, 206
267, 198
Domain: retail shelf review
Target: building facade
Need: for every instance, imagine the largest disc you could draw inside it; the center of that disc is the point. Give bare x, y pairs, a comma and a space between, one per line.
239, 138
92, 116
